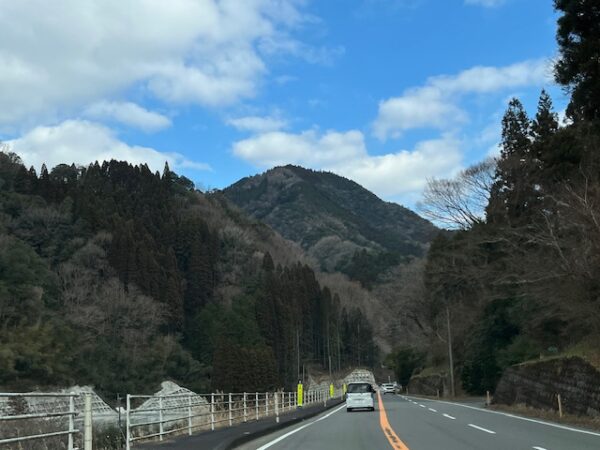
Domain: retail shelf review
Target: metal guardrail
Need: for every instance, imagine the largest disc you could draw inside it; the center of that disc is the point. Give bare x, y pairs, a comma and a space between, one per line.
178, 413
52, 418
47, 416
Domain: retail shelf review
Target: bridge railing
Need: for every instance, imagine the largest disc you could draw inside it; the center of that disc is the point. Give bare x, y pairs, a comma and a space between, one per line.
22, 419
162, 415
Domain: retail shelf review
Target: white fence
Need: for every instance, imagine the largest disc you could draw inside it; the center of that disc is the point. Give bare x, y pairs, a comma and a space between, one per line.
65, 419
162, 415
53, 422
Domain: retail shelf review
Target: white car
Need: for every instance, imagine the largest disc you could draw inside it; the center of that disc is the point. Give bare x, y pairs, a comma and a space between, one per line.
359, 396
388, 388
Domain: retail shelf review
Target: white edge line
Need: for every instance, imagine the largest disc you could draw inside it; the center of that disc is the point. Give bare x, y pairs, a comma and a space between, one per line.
449, 416
527, 419
482, 429
281, 438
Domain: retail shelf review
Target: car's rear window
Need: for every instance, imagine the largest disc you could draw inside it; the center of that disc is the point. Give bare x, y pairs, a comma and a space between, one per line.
359, 388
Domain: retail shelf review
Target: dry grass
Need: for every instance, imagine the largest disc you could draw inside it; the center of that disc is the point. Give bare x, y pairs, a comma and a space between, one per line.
550, 416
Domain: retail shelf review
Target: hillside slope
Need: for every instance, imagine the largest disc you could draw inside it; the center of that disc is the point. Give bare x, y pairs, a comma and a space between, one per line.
113, 266
338, 222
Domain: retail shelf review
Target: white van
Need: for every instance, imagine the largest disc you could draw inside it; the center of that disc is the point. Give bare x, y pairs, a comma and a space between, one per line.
359, 395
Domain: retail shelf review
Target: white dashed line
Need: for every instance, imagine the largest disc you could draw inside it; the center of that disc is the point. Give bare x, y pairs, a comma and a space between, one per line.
432, 410
422, 406
449, 416
539, 448
482, 429
527, 419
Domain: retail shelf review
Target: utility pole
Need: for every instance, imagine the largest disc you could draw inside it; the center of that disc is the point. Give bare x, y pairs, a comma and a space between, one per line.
450, 357
329, 349
298, 350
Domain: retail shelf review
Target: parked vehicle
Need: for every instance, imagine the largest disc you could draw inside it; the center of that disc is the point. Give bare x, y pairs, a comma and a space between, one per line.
360, 396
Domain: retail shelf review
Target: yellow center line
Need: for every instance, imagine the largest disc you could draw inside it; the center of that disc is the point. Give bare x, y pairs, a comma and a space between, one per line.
388, 431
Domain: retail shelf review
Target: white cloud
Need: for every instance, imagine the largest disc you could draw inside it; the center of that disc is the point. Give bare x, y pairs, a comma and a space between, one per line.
400, 175
129, 114
59, 56
404, 174
82, 142
485, 3
436, 104
418, 108
258, 124
309, 148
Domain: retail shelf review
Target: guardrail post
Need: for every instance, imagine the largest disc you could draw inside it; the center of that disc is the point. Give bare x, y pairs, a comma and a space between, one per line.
256, 405
128, 424
245, 410
160, 418
189, 415
212, 412
266, 403
230, 418
71, 420
87, 422
276, 407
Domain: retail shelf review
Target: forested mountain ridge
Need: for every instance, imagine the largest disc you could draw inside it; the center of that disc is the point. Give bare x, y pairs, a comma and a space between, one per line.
118, 277
341, 224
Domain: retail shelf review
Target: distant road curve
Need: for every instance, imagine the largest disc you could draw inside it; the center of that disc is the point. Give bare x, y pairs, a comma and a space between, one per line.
409, 423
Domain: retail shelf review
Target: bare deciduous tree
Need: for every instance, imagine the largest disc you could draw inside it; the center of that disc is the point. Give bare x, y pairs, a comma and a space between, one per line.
460, 202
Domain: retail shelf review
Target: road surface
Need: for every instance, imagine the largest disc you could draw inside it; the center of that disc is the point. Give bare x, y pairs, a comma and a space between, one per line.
408, 423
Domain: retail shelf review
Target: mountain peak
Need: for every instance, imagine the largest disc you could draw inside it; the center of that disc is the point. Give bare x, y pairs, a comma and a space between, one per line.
333, 218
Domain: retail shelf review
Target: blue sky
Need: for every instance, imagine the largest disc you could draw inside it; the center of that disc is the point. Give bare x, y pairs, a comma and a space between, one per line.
386, 92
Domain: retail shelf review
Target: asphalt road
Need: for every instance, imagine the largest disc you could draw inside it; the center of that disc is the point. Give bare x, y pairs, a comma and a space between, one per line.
407, 423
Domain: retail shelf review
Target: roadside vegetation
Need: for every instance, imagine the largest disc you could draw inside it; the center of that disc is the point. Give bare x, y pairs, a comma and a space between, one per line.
516, 276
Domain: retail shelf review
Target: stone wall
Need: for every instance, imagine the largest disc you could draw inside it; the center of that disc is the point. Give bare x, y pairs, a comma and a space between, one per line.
537, 384
428, 384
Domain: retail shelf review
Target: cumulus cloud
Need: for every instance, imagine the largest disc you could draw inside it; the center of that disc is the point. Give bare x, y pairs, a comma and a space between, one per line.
258, 124
436, 104
309, 148
400, 175
60, 56
83, 142
129, 114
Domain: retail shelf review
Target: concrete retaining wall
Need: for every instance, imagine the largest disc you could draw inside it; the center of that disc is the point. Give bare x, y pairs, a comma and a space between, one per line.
537, 384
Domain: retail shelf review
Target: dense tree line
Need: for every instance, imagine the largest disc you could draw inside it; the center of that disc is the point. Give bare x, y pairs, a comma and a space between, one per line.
112, 275
519, 276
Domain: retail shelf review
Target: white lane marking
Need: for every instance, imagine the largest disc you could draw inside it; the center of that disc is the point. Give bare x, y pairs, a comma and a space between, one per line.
449, 416
432, 410
281, 438
540, 422
482, 429
422, 406
539, 448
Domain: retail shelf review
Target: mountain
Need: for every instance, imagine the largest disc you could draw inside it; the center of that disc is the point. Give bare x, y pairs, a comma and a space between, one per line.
342, 225
114, 266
